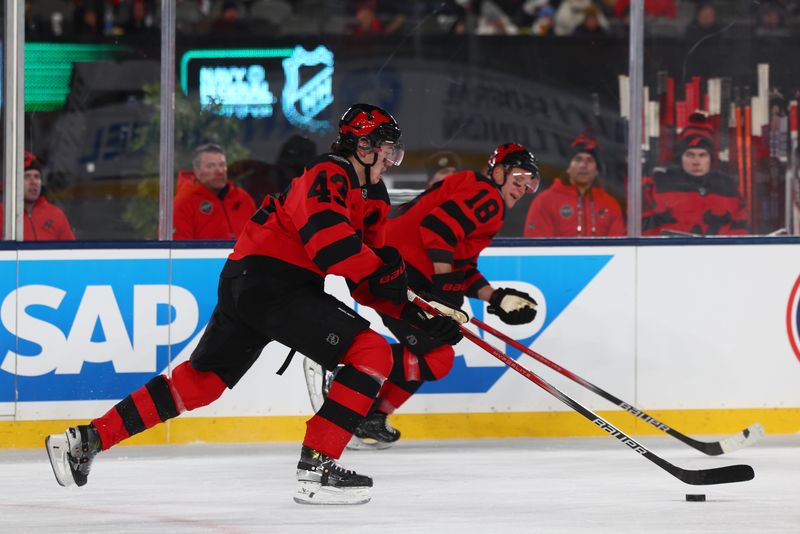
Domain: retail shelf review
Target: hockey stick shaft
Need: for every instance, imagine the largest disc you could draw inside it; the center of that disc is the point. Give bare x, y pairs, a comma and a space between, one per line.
711, 449
719, 475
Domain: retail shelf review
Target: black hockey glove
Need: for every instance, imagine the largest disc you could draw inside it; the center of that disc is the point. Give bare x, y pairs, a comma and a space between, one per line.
389, 281
512, 306
439, 328
449, 288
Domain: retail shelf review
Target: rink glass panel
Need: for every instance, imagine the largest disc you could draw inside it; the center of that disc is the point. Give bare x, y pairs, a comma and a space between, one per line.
733, 68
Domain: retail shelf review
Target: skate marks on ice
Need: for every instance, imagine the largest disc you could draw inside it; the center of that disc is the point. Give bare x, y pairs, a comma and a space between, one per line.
521, 485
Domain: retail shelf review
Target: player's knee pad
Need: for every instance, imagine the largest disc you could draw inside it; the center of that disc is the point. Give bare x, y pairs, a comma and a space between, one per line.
370, 353
435, 364
192, 388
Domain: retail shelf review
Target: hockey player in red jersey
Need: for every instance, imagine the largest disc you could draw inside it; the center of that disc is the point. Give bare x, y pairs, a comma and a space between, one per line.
271, 288
440, 234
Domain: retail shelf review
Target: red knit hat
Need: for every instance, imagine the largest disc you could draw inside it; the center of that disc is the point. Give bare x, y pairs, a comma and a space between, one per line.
32, 162
697, 134
585, 143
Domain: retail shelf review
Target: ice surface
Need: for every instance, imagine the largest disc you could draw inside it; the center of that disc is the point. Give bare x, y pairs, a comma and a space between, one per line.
591, 485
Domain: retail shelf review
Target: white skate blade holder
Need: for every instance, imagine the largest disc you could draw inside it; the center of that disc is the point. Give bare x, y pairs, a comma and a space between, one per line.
315, 493
57, 448
358, 444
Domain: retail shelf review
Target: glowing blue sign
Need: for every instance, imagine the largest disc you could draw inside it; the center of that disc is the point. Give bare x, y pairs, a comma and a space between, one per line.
239, 80
313, 96
241, 91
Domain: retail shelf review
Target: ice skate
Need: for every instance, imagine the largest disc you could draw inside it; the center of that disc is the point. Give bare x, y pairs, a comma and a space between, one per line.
323, 481
374, 433
71, 454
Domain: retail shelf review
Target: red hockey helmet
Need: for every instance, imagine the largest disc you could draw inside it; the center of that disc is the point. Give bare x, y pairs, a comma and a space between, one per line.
365, 121
511, 155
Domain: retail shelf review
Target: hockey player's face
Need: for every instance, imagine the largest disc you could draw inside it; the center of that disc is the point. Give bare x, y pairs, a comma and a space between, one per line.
211, 170
518, 183
33, 185
381, 158
582, 169
696, 161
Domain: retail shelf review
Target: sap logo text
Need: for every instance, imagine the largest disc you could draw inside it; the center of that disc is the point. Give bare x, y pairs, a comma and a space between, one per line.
98, 311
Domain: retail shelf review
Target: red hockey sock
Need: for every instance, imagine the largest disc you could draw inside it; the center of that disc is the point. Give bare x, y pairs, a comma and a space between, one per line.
158, 400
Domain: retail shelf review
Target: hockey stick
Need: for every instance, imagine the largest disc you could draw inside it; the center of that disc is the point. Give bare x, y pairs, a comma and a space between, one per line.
718, 475
741, 439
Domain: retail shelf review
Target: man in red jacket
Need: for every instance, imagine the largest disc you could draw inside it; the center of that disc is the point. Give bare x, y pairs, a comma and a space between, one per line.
576, 206
43, 221
440, 235
691, 197
272, 288
210, 206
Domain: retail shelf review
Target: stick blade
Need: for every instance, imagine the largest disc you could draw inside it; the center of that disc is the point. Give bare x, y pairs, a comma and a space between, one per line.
748, 436
719, 475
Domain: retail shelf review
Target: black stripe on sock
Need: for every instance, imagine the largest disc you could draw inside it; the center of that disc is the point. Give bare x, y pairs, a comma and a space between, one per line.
159, 391
339, 415
357, 381
130, 416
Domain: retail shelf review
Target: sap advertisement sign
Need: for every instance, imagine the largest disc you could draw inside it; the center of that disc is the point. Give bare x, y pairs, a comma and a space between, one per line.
92, 328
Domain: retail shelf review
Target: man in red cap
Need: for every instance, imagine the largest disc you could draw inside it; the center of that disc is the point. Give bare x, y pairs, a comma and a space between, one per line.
43, 221
576, 206
692, 198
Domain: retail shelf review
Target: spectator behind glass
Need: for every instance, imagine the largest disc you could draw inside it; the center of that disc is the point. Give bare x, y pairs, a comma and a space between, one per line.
139, 22
229, 21
441, 165
86, 21
544, 24
590, 27
576, 206
690, 197
771, 18
704, 22
43, 221
377, 17
571, 14
652, 8
207, 204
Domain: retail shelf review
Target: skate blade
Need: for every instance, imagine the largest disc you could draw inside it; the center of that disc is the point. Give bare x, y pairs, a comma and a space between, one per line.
57, 447
315, 493
358, 444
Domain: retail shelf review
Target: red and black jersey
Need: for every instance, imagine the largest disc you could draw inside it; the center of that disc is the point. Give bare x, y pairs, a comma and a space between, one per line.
561, 211
704, 205
450, 222
319, 224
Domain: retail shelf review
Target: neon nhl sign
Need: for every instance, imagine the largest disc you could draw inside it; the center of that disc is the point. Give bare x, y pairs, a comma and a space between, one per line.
244, 83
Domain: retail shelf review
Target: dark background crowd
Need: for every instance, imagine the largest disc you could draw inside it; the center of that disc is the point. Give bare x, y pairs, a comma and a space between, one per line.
85, 19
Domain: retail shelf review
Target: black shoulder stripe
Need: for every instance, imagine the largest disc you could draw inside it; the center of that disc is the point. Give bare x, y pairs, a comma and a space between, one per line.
320, 221
337, 251
462, 263
455, 211
439, 228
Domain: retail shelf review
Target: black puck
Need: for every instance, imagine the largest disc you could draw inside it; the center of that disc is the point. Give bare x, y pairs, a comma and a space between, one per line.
695, 497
